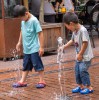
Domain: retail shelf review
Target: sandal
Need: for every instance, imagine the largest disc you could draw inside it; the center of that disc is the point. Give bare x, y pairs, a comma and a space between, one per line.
86, 91
19, 84
40, 85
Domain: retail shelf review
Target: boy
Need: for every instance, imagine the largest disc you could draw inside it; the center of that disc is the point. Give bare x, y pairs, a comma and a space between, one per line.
32, 49
84, 52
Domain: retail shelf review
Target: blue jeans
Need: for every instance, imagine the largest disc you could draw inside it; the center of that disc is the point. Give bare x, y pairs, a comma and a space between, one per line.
81, 73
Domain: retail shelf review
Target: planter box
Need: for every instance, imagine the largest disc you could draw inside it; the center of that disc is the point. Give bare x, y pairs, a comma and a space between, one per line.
51, 32
9, 34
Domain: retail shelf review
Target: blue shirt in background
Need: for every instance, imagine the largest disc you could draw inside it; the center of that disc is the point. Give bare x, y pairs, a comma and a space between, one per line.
30, 38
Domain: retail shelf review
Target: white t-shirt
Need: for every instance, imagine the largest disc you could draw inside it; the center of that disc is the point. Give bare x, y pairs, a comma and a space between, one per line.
78, 38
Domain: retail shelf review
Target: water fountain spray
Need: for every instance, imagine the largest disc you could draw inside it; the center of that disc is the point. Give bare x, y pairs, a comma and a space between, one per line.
59, 60
62, 95
16, 65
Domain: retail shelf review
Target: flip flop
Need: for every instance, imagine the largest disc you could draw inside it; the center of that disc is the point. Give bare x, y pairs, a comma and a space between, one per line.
40, 85
19, 84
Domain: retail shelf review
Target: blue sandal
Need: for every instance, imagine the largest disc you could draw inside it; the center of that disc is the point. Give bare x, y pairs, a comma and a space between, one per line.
40, 85
19, 84
86, 91
76, 90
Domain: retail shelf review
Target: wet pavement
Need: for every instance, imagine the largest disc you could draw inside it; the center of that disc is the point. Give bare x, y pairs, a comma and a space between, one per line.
55, 90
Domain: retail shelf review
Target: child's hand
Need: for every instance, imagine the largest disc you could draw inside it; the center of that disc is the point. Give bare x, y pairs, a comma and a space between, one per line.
79, 57
18, 47
41, 51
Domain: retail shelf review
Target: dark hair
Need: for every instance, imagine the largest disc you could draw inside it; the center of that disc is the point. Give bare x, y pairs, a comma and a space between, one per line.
19, 10
70, 17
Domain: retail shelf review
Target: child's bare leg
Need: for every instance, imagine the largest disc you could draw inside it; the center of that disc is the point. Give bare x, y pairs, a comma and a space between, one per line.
41, 76
24, 75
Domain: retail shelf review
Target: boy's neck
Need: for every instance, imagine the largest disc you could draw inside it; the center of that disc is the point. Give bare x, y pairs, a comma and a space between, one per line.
77, 27
29, 16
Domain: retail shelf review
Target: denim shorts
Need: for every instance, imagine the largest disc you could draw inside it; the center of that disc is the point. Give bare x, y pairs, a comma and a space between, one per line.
31, 61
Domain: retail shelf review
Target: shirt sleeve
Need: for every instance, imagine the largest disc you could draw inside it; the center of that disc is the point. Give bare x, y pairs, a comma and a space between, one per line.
85, 35
37, 26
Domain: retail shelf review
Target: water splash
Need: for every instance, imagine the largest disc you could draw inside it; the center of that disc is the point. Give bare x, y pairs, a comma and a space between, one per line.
62, 95
17, 74
59, 60
16, 64
12, 93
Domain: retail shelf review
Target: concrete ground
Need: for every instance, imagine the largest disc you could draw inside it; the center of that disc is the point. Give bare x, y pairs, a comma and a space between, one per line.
55, 90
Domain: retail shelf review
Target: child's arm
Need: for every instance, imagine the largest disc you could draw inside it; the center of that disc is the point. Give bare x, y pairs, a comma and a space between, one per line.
41, 39
19, 42
20, 38
83, 48
68, 44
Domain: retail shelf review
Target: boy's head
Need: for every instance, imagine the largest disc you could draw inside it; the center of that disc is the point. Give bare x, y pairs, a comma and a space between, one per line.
70, 20
21, 11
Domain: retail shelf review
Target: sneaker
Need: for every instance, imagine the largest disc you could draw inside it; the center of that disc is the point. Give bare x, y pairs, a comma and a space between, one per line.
86, 91
76, 90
